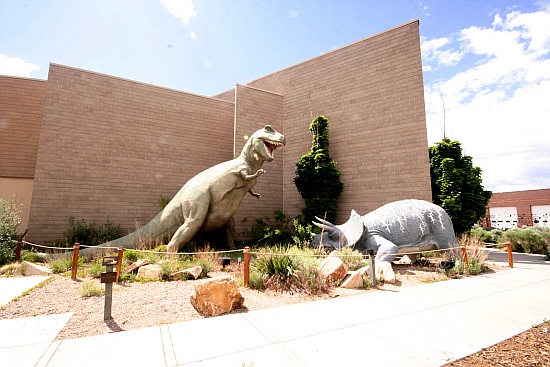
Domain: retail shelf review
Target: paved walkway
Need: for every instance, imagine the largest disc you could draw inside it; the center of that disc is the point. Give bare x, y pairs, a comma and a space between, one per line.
425, 325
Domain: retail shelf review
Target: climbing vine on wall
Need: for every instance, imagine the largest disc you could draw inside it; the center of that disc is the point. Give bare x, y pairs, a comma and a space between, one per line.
317, 178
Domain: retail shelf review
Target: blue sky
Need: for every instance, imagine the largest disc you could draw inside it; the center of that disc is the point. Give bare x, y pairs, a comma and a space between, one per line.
487, 62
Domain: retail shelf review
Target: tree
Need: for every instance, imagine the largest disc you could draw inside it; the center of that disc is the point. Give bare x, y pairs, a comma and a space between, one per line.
317, 178
456, 185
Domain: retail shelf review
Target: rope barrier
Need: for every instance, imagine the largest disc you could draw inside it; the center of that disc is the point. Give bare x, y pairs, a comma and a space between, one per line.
48, 247
340, 255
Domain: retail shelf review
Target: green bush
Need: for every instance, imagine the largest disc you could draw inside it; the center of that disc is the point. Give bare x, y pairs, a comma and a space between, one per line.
352, 258
91, 289
317, 178
9, 220
291, 269
91, 234
530, 240
281, 230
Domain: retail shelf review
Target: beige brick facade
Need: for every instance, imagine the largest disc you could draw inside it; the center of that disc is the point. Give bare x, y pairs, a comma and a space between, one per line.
21, 102
113, 147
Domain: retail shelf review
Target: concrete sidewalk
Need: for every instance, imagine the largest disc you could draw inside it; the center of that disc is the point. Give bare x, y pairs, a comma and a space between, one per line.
425, 325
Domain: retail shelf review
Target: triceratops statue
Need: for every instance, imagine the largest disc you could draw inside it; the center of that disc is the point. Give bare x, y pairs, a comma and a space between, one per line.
404, 226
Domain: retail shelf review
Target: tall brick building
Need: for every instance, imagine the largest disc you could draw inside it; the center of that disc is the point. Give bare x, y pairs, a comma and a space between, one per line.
94, 146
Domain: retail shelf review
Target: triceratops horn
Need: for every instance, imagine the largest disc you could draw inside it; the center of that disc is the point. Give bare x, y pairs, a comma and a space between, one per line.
329, 227
325, 222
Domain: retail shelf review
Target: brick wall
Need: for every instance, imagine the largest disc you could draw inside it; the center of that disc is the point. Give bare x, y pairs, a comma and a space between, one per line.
254, 109
113, 147
372, 93
21, 102
522, 200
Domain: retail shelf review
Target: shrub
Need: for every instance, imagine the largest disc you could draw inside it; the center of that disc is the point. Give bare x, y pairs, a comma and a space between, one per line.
352, 258
61, 265
9, 220
91, 289
289, 269
526, 239
168, 268
256, 280
279, 231
91, 234
96, 268
476, 255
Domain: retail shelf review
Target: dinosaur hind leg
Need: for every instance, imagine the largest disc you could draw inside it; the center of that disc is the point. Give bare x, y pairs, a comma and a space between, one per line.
184, 234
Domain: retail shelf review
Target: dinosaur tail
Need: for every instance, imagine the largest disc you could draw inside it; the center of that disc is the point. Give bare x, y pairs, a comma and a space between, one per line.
145, 237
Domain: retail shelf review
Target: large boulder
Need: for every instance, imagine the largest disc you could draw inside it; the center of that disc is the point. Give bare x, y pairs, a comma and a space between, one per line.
30, 269
216, 296
150, 272
192, 273
333, 268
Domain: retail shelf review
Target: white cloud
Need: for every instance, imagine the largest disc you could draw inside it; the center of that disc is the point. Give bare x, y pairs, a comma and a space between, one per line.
15, 66
498, 106
193, 36
182, 9
294, 13
432, 51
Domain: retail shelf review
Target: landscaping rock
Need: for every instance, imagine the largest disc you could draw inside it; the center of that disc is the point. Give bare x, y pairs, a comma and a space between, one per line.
193, 273
149, 272
216, 296
333, 268
135, 265
30, 269
355, 279
384, 272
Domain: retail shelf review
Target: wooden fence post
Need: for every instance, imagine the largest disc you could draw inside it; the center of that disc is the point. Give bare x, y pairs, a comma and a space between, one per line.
510, 257
75, 260
119, 263
246, 274
465, 259
18, 249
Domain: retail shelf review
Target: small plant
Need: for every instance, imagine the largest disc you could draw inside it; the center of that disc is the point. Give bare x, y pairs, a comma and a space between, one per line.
96, 268
207, 261
530, 240
256, 280
476, 255
91, 289
352, 258
61, 265
130, 256
168, 268
9, 220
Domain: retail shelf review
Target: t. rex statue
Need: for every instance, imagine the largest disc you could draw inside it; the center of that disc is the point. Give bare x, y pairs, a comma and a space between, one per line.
207, 201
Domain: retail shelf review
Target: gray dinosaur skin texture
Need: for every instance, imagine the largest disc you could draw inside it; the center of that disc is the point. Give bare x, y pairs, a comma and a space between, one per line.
207, 201
402, 226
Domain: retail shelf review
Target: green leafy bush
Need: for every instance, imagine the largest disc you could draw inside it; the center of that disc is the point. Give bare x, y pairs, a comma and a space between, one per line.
317, 178
9, 220
91, 234
281, 230
530, 240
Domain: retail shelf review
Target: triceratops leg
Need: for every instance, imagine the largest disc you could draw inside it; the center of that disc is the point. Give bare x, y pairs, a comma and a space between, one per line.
386, 250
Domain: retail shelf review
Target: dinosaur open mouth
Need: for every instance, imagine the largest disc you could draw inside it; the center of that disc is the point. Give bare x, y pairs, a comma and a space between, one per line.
270, 146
